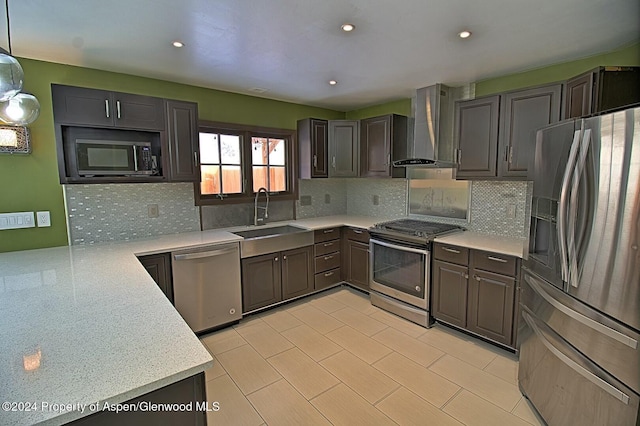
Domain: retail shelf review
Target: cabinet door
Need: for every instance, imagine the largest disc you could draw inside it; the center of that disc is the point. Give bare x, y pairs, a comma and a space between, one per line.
77, 105
138, 112
375, 147
261, 281
522, 113
313, 148
477, 137
182, 129
297, 272
578, 99
357, 264
344, 148
449, 293
490, 312
159, 267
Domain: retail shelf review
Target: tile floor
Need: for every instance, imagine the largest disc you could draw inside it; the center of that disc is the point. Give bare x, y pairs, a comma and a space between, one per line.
333, 358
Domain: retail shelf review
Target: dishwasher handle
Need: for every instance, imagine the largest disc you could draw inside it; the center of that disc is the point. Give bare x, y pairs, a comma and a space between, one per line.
203, 254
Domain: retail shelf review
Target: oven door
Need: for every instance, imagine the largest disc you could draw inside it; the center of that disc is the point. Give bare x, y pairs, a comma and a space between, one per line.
400, 271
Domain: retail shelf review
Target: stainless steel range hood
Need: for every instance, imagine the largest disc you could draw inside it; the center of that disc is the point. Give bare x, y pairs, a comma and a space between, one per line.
433, 116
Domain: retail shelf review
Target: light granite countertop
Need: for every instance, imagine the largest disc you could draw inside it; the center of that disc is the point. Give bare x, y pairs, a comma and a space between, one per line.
87, 324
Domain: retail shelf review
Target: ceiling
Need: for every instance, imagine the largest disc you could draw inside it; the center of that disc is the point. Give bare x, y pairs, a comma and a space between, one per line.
292, 48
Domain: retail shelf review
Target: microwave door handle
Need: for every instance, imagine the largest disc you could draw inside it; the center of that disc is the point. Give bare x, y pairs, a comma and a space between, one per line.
135, 159
562, 206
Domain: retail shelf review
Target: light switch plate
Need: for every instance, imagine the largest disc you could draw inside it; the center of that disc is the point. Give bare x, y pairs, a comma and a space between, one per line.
44, 219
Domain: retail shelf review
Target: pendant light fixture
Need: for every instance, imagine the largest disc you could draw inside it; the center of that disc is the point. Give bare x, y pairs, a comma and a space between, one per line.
16, 108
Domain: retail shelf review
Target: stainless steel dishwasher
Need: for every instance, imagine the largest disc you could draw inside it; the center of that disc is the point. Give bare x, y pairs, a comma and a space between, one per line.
206, 285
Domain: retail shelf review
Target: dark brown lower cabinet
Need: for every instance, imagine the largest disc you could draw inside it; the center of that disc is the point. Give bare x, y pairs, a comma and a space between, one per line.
274, 277
449, 292
357, 264
491, 302
191, 392
159, 267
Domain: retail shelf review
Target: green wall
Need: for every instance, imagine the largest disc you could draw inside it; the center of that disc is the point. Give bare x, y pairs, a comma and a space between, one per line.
31, 183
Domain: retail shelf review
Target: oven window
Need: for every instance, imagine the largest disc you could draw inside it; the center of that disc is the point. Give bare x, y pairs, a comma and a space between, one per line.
401, 270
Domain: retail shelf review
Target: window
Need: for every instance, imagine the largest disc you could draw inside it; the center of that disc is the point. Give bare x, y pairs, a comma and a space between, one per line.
236, 161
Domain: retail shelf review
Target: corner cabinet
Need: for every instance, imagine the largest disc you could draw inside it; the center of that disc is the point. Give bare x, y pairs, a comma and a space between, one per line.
159, 267
344, 148
476, 290
271, 278
313, 143
382, 140
182, 141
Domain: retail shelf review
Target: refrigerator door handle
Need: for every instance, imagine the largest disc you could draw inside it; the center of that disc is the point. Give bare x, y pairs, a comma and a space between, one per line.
602, 384
562, 206
573, 209
536, 285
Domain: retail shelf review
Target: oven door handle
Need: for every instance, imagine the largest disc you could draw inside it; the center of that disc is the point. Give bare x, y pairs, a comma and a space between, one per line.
397, 247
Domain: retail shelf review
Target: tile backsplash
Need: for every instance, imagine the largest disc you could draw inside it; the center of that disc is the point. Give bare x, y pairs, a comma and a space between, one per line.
111, 212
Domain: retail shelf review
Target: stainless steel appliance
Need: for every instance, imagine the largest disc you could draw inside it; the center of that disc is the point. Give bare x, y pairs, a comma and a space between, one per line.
580, 296
400, 266
113, 158
206, 285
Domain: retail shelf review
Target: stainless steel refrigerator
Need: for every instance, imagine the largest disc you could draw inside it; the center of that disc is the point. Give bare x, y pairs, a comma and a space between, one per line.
579, 324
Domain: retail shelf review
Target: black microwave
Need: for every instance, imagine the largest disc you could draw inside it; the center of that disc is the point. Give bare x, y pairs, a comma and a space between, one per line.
96, 157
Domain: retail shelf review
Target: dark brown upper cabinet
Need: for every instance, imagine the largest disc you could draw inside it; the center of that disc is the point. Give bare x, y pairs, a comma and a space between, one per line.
182, 141
344, 148
313, 146
476, 136
382, 140
90, 107
522, 113
601, 89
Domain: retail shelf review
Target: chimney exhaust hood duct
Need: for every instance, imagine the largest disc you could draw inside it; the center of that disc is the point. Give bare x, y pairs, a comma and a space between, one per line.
433, 112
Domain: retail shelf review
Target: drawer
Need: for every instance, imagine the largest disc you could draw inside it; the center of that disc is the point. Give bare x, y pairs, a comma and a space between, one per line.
327, 278
493, 262
321, 235
357, 234
327, 261
452, 254
327, 247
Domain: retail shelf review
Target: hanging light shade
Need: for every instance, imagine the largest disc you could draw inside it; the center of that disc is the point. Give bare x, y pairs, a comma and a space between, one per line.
11, 77
21, 110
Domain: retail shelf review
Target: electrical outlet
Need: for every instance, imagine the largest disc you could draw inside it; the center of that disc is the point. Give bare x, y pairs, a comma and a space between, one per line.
511, 211
305, 200
152, 210
327, 198
376, 200
16, 220
43, 219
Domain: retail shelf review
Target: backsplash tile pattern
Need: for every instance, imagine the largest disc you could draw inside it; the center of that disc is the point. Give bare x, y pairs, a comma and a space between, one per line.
391, 194
222, 216
317, 189
111, 212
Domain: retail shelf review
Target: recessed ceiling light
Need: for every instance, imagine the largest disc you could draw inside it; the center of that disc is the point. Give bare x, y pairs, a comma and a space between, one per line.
348, 27
464, 34
333, 82
178, 44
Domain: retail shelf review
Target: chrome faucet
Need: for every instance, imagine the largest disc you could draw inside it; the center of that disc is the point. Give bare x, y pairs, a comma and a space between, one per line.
265, 208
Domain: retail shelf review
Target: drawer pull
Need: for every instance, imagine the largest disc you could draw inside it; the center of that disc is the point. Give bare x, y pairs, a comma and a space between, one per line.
477, 278
450, 250
328, 231
497, 259
327, 244
328, 257
357, 231
328, 274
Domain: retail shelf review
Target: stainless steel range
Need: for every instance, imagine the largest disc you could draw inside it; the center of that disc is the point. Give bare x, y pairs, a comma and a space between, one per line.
400, 266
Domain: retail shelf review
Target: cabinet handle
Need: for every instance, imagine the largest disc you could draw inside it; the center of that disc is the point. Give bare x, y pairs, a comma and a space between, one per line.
450, 250
328, 231
333, 162
497, 259
328, 257
459, 156
284, 257
106, 107
315, 161
195, 158
477, 278
510, 155
276, 259
466, 276
118, 108
388, 159
327, 244
328, 274
506, 153
357, 231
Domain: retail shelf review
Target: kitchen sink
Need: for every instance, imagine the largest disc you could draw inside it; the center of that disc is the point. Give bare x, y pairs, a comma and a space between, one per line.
259, 241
